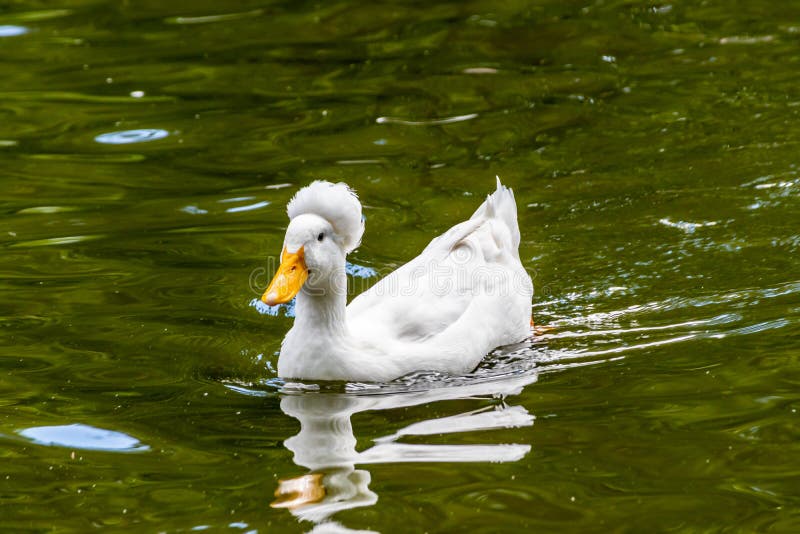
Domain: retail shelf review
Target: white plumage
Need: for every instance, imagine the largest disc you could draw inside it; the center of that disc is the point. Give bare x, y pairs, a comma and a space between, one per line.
337, 204
464, 295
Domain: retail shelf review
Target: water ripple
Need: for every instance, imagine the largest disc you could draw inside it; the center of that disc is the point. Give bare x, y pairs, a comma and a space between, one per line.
688, 227
194, 210
249, 207
430, 122
718, 320
51, 241
206, 19
85, 437
738, 298
753, 328
131, 136
9, 30
746, 39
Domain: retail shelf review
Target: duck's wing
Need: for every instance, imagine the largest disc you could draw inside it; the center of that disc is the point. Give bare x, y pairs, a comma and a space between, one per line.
458, 270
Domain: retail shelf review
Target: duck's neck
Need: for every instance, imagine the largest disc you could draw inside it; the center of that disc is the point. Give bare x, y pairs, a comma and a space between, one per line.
323, 312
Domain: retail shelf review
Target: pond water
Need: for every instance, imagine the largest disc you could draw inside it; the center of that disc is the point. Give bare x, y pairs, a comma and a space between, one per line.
148, 150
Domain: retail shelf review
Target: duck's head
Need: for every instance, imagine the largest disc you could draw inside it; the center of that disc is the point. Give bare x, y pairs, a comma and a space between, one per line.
325, 224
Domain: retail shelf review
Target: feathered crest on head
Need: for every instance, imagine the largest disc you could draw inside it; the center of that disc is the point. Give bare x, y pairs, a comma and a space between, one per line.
337, 204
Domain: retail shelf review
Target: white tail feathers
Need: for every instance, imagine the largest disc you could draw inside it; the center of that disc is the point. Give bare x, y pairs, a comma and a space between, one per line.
501, 205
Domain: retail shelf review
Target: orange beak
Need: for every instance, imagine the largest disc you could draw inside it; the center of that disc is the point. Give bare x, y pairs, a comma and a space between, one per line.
291, 276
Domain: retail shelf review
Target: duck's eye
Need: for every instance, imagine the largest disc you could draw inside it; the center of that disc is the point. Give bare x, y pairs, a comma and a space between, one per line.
320, 237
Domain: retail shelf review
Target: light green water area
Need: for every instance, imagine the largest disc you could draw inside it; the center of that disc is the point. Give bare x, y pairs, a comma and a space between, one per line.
148, 149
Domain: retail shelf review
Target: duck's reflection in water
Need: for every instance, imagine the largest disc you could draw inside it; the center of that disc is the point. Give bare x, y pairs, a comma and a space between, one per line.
326, 444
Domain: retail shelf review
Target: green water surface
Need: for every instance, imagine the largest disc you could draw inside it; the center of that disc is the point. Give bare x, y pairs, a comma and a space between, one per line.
147, 151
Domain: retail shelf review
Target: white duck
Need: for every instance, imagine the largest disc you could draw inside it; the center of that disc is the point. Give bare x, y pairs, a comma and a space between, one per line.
464, 295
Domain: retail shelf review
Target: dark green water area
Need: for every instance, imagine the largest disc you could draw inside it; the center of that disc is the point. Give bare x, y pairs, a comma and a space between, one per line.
148, 149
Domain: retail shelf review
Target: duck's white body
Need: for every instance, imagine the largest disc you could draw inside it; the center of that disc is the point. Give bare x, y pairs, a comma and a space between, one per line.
464, 295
